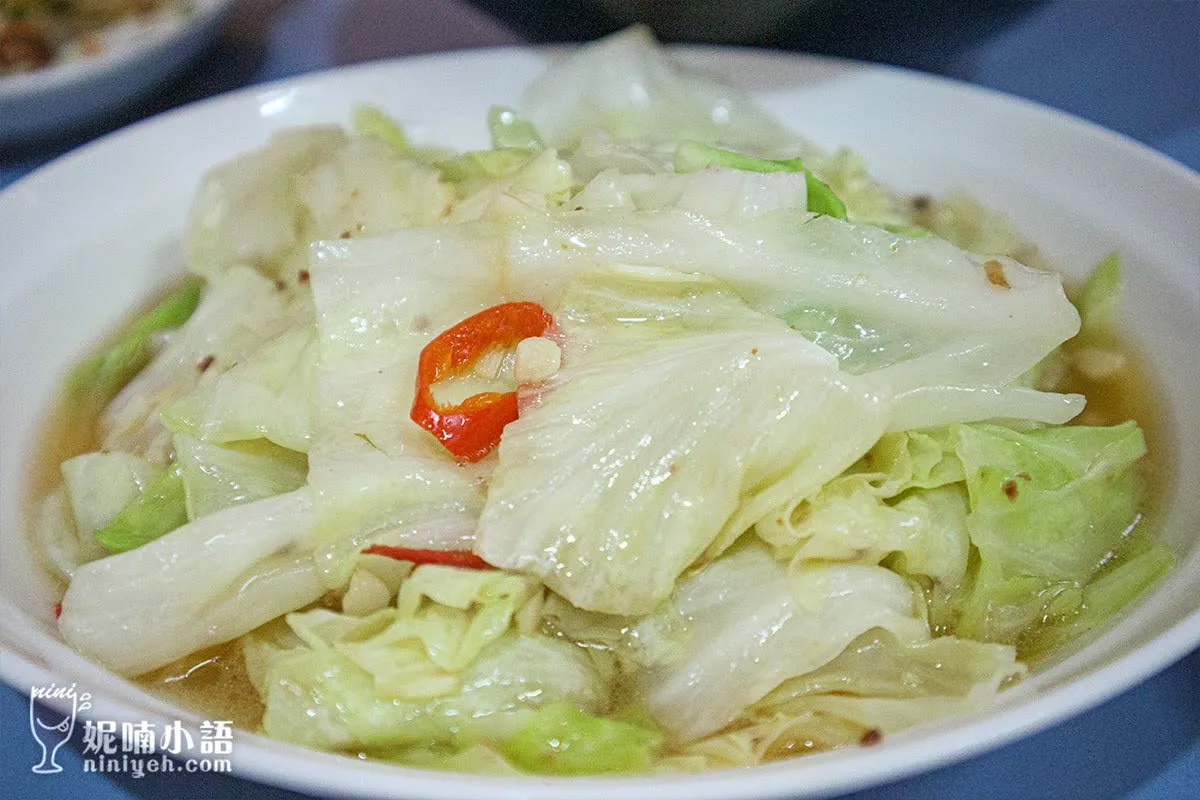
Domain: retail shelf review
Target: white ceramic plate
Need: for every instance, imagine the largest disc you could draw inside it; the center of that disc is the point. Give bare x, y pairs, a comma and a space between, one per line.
70, 92
87, 236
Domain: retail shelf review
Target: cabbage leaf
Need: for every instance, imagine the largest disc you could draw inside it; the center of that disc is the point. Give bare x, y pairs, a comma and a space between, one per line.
1098, 296
220, 476
629, 87
718, 193
607, 490
419, 497
935, 332
102, 376
509, 129
444, 618
379, 301
692, 156
377, 477
60, 545
204, 583
495, 184
239, 312
159, 509
317, 695
847, 521
559, 739
744, 624
263, 208
1048, 509
268, 394
1007, 530
99, 485
877, 686
245, 210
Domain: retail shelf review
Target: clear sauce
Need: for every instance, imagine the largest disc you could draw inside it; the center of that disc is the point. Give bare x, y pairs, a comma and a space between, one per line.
212, 683
1130, 393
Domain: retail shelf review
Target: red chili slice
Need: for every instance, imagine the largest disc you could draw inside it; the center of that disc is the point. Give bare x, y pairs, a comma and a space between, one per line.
449, 558
471, 429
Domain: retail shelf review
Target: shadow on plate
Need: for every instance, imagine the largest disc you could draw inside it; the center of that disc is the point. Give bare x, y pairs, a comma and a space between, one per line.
924, 34
372, 29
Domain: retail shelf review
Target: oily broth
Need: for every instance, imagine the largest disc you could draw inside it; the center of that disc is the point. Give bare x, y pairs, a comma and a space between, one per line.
1132, 392
214, 683
71, 426
69, 429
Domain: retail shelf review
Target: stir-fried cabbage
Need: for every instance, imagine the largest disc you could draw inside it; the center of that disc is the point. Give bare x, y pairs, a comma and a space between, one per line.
445, 666
764, 457
608, 490
746, 624
877, 686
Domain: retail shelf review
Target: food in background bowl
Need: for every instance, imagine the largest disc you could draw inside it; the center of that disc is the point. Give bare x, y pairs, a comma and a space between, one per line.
38, 33
679, 445
57, 72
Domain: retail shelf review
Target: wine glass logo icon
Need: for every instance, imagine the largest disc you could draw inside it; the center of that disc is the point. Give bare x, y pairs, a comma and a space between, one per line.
52, 729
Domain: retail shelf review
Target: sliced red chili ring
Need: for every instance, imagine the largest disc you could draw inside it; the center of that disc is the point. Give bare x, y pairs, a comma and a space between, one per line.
449, 558
471, 429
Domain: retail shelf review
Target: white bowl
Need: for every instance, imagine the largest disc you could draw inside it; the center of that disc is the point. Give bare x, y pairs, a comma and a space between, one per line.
70, 92
88, 236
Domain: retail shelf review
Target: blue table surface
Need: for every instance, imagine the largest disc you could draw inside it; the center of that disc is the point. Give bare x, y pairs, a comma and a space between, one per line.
1132, 67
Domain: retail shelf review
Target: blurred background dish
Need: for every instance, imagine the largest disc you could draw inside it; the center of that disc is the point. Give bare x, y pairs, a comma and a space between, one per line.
64, 62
